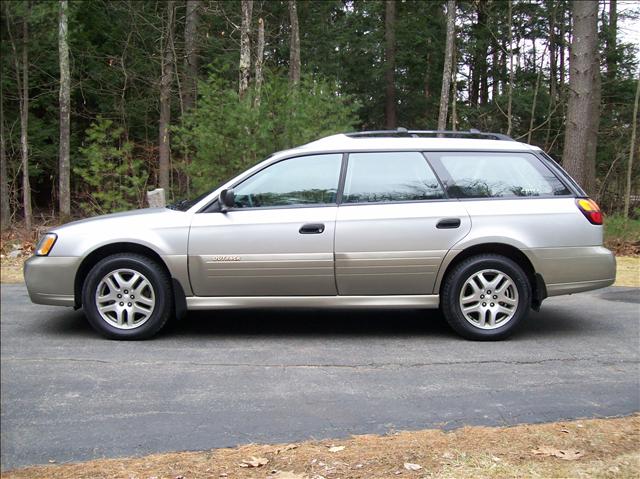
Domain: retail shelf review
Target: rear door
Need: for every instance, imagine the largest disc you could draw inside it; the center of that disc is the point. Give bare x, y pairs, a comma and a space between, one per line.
394, 225
278, 238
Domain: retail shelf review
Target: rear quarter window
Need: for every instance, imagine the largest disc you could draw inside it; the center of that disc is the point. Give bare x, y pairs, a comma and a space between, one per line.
496, 175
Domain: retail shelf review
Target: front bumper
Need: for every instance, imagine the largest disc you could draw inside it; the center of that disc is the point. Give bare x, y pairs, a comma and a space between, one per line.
50, 279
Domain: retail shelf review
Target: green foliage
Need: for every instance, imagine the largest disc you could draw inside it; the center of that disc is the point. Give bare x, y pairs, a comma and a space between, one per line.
616, 227
228, 134
110, 178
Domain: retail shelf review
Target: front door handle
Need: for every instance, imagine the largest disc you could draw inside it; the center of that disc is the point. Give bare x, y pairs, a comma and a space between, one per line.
311, 229
448, 223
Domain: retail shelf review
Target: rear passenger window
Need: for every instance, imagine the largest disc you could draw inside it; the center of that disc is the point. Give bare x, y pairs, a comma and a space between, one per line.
394, 176
496, 175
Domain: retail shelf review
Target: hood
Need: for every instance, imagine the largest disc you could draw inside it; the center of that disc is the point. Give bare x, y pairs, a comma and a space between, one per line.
154, 214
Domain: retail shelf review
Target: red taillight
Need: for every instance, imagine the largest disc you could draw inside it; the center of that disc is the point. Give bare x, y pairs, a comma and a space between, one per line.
590, 210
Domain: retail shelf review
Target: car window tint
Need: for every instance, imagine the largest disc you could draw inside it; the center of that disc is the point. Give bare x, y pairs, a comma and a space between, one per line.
496, 175
394, 176
304, 180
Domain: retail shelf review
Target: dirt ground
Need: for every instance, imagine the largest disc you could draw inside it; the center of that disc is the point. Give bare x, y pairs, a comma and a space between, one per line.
594, 448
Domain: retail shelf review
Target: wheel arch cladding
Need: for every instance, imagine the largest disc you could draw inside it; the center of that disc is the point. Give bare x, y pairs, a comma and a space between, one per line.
538, 287
115, 248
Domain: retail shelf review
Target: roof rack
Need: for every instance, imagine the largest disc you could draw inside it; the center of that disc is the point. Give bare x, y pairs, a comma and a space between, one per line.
429, 133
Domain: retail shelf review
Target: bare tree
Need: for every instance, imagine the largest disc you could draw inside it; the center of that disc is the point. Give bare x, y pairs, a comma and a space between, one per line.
584, 98
390, 63
245, 47
22, 83
294, 44
511, 71
191, 53
612, 32
454, 92
632, 148
448, 66
259, 62
166, 62
534, 103
5, 209
65, 113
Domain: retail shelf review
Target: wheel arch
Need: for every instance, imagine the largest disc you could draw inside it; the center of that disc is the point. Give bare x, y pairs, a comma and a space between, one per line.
538, 287
125, 247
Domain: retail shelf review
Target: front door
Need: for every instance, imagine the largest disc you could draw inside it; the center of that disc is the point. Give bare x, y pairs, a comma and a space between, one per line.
394, 225
277, 240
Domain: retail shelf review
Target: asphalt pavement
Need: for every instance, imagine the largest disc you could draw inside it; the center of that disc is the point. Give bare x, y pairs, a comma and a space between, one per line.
219, 379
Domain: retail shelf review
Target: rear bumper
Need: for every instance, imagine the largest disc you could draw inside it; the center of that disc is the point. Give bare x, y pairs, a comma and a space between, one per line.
577, 287
576, 269
50, 279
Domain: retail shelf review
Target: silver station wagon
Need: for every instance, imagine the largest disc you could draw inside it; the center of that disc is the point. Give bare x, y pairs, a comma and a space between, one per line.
479, 225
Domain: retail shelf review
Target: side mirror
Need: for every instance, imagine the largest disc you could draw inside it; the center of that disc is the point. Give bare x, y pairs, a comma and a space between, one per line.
226, 199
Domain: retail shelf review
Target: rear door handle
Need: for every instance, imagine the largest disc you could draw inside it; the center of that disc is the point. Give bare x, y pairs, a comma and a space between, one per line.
311, 229
448, 223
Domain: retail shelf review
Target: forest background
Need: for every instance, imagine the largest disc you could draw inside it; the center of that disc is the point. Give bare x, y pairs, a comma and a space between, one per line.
103, 100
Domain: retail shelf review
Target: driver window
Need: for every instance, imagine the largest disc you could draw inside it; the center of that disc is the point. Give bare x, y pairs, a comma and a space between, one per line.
300, 181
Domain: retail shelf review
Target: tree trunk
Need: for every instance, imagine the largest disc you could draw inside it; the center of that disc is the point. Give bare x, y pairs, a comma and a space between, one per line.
294, 44
612, 32
390, 64
427, 86
511, 72
553, 71
495, 69
562, 44
191, 54
164, 148
553, 61
454, 91
584, 73
448, 66
24, 122
483, 98
65, 114
534, 103
5, 209
632, 149
259, 62
245, 47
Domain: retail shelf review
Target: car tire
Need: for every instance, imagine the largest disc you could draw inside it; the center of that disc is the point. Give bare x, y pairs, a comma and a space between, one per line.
127, 296
486, 297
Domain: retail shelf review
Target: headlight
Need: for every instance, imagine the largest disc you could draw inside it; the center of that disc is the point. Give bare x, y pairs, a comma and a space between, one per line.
46, 243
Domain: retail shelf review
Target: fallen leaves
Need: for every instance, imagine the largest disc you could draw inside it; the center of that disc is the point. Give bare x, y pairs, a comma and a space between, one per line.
336, 448
288, 475
566, 454
412, 467
288, 447
254, 462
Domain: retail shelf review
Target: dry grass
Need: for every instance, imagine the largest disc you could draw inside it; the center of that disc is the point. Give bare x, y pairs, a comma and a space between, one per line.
601, 447
11, 270
628, 272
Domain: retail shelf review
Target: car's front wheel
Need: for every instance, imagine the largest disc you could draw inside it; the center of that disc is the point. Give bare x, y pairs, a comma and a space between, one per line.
127, 296
486, 297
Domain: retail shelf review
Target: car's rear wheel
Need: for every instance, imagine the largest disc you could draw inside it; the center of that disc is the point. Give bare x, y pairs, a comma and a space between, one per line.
127, 296
486, 297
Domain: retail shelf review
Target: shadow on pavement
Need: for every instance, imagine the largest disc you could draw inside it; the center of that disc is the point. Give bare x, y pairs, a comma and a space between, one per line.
314, 323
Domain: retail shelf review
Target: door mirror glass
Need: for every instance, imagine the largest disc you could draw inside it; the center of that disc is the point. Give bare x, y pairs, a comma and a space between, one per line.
226, 199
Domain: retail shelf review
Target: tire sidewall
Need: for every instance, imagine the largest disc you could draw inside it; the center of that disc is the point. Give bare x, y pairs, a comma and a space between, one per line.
458, 277
159, 281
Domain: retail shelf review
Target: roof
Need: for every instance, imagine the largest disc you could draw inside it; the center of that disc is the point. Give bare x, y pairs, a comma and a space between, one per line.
343, 142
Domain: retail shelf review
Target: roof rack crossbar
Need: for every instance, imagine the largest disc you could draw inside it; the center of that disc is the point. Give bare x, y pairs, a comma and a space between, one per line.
418, 133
